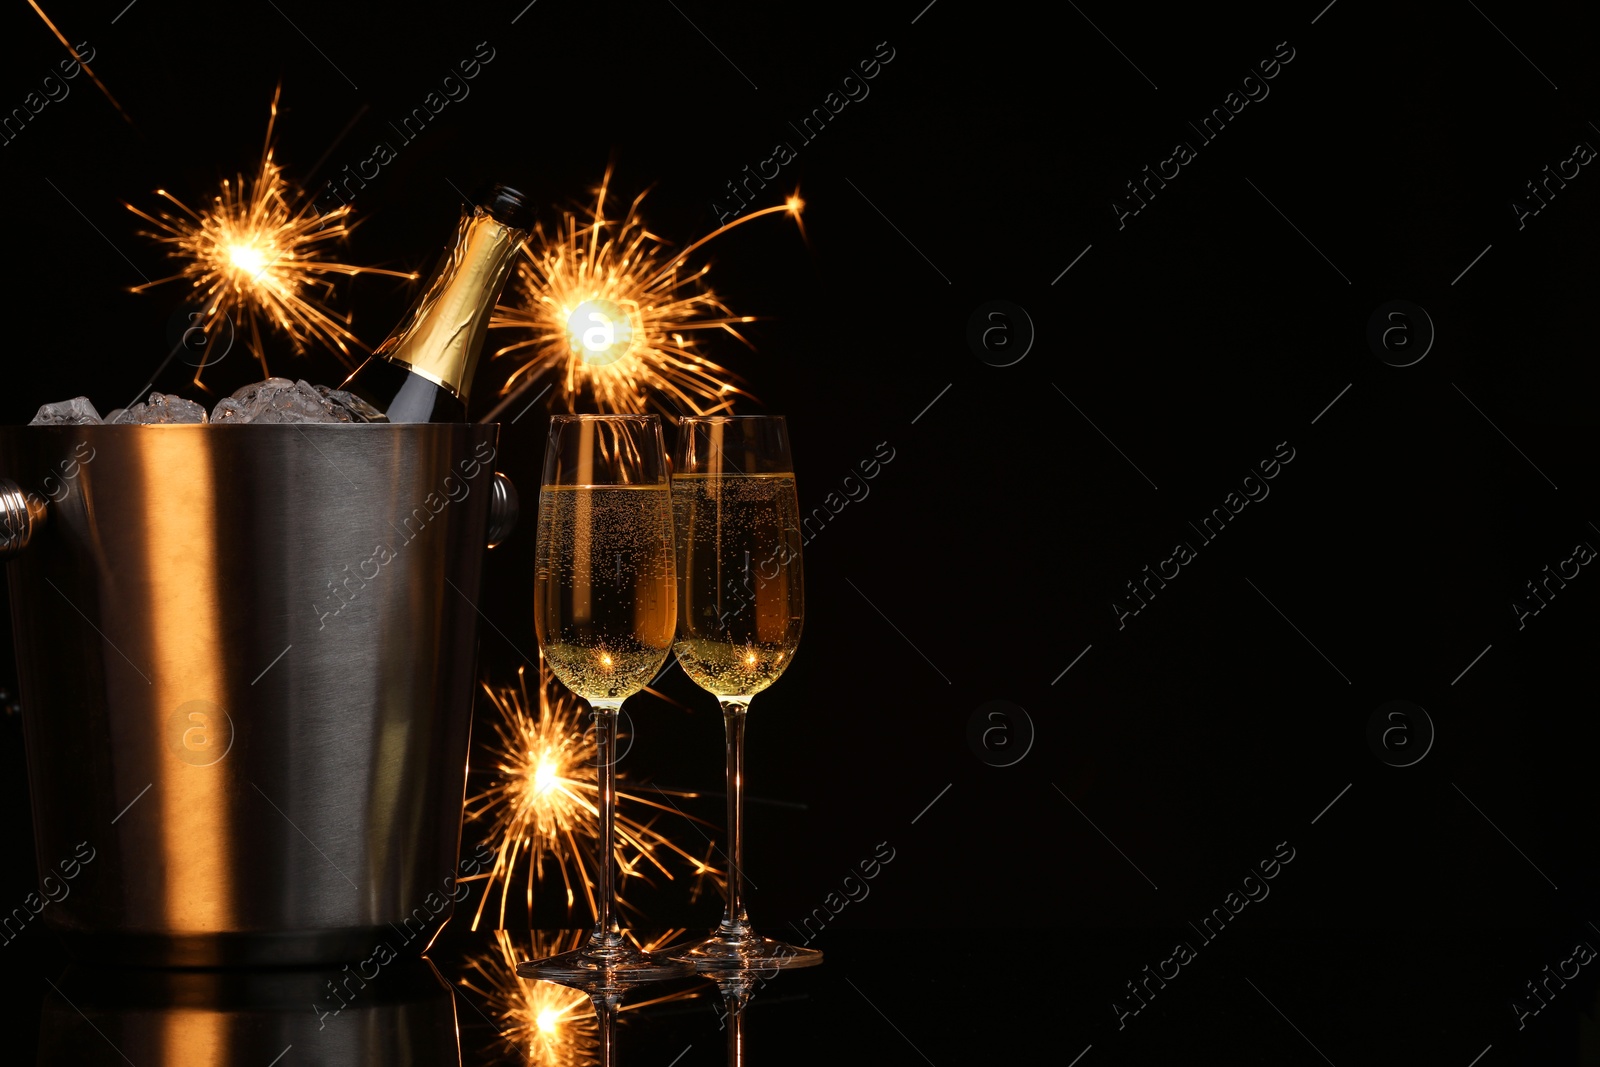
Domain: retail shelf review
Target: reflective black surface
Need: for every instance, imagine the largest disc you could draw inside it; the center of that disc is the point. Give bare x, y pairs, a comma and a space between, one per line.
1254, 996
91, 1015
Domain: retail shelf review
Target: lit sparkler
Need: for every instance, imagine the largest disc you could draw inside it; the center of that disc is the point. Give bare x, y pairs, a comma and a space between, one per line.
257, 260
543, 1024
543, 803
609, 307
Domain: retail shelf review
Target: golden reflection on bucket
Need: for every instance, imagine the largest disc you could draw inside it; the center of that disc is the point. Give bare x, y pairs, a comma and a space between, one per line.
178, 589
197, 1037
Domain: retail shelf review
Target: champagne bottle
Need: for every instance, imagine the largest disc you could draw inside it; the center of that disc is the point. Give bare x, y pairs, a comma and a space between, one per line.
423, 370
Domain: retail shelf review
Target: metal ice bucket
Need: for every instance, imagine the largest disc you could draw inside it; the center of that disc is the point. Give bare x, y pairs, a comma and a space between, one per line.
246, 664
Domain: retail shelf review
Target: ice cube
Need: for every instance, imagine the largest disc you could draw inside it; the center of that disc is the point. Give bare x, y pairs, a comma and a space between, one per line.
348, 407
163, 408
75, 412
276, 400
245, 403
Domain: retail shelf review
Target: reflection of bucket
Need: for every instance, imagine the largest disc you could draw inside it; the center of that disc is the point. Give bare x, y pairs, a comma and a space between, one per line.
246, 659
97, 1017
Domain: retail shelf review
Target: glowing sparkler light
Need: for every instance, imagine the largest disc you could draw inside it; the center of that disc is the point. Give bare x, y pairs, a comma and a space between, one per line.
543, 1024
546, 777
257, 259
544, 802
601, 332
247, 260
607, 306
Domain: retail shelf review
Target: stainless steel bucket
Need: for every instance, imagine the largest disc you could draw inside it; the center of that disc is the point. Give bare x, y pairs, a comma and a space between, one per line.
246, 664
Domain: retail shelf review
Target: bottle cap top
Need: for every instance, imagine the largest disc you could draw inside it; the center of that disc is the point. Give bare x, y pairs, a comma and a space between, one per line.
507, 206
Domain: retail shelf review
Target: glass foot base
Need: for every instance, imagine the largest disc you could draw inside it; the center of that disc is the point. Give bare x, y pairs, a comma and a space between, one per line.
604, 968
752, 952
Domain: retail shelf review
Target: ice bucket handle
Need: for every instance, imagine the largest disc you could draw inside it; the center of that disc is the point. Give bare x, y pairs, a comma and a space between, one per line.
20, 515
503, 509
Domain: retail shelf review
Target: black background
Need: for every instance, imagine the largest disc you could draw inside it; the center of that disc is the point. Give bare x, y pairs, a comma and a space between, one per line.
1193, 339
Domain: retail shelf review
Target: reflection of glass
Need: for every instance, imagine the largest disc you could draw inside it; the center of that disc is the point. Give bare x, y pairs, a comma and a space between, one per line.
741, 604
606, 1005
400, 1012
736, 989
605, 602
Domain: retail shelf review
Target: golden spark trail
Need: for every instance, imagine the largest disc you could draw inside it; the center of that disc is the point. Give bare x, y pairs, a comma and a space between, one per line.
256, 260
92, 77
544, 801
543, 1024
606, 308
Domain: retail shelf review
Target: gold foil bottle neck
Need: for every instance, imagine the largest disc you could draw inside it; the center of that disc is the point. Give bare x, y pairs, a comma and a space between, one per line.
443, 332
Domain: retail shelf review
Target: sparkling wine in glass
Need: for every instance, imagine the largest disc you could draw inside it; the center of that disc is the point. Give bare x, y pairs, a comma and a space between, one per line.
741, 605
605, 608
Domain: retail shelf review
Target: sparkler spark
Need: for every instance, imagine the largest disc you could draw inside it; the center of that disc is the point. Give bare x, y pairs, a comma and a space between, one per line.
80, 60
607, 306
257, 260
543, 1024
544, 800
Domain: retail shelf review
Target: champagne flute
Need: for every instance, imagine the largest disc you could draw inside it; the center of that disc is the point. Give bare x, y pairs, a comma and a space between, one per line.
741, 604
605, 606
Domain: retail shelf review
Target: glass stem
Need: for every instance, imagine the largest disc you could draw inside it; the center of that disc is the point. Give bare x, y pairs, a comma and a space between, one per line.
736, 921
735, 1032
605, 1010
607, 932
